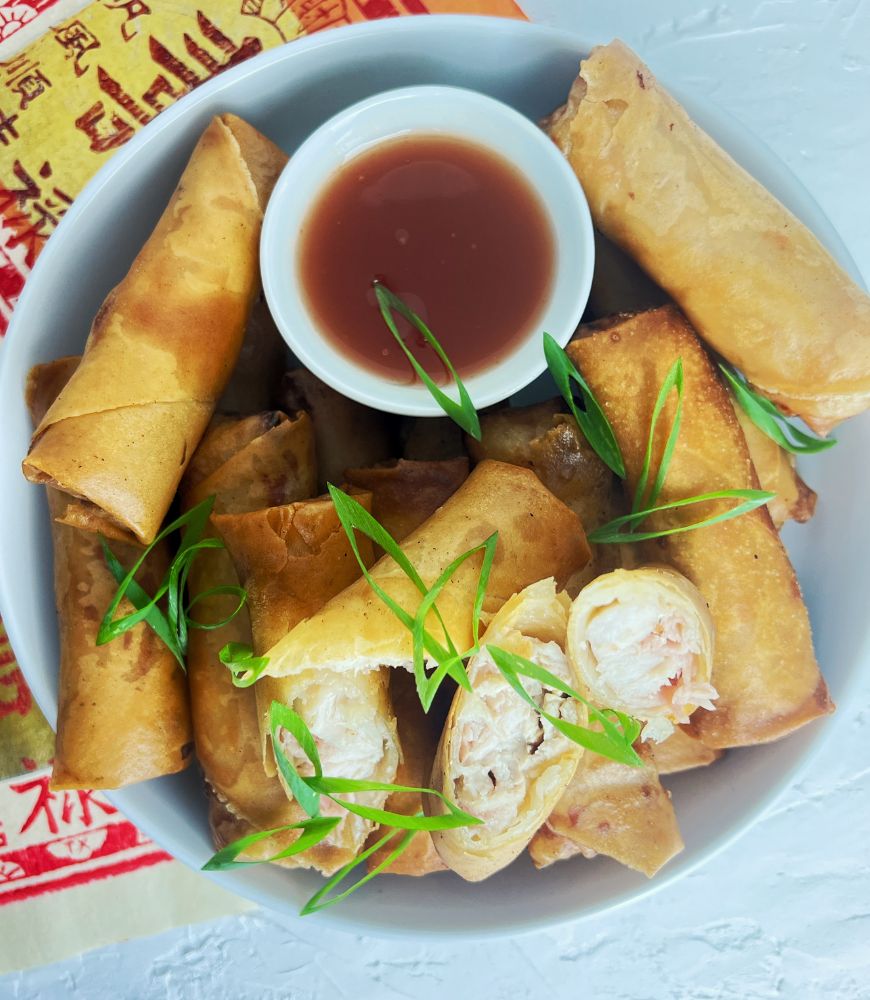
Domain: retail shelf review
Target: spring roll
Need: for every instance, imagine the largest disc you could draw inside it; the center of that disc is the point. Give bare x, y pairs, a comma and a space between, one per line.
618, 284
679, 752
123, 712
405, 494
255, 383
538, 537
612, 809
776, 472
752, 279
430, 439
498, 759
291, 560
165, 341
642, 640
764, 671
245, 464
346, 432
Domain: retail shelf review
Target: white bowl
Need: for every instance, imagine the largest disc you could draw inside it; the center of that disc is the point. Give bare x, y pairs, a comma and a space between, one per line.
289, 92
430, 110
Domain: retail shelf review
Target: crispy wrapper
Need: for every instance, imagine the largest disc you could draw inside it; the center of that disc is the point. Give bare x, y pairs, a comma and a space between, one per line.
765, 670
753, 280
165, 341
679, 752
776, 472
405, 494
244, 463
123, 712
642, 640
613, 809
547, 441
347, 433
497, 759
538, 537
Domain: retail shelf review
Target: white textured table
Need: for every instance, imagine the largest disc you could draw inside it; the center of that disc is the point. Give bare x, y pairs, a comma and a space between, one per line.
785, 911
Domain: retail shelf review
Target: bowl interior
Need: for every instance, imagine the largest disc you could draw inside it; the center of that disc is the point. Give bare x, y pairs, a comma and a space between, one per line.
287, 93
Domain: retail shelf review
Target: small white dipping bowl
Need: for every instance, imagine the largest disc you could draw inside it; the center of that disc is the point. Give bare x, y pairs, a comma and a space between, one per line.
427, 110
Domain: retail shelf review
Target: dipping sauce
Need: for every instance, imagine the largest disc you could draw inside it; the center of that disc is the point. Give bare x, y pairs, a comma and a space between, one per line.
450, 227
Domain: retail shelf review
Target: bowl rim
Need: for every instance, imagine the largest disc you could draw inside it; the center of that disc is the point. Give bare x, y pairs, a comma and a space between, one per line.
822, 730
372, 122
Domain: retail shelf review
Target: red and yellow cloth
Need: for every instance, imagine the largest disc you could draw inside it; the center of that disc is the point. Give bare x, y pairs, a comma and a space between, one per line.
68, 100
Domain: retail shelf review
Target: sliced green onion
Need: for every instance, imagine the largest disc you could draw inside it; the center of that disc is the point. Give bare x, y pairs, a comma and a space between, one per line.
314, 829
463, 412
673, 380
616, 739
612, 533
245, 668
768, 418
592, 419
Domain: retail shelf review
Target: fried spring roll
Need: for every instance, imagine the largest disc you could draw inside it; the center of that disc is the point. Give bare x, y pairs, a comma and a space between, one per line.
245, 464
346, 432
291, 559
123, 712
753, 280
165, 341
405, 494
764, 670
538, 537
642, 640
498, 759
679, 752
612, 809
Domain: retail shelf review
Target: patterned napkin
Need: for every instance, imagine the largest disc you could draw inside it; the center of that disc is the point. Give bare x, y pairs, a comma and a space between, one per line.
76, 83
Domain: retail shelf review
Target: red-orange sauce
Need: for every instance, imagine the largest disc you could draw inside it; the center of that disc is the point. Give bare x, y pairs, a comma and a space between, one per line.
450, 227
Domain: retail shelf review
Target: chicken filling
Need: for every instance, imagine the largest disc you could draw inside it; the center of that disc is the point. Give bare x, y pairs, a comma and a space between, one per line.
647, 659
354, 740
502, 745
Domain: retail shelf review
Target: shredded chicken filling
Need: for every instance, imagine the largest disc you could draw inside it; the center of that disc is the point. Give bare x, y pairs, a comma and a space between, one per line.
502, 745
647, 659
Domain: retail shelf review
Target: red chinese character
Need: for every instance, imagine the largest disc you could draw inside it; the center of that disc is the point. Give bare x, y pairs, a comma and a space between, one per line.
29, 87
105, 136
20, 700
133, 9
76, 39
45, 799
7, 125
75, 806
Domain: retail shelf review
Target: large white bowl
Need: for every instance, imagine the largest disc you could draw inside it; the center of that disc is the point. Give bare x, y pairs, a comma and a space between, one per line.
287, 93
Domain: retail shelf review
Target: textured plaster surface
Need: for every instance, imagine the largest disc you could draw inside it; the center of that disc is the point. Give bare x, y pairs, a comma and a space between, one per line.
785, 911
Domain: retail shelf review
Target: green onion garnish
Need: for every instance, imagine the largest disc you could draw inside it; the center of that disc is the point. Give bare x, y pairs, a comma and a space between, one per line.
770, 420
592, 419
172, 628
618, 733
642, 496
246, 668
611, 532
314, 829
463, 412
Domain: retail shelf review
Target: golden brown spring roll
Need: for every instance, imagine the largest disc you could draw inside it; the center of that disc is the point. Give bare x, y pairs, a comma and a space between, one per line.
405, 494
752, 279
538, 537
255, 383
642, 640
776, 472
165, 341
498, 759
612, 809
291, 560
123, 712
346, 432
245, 464
547, 441
679, 752
765, 670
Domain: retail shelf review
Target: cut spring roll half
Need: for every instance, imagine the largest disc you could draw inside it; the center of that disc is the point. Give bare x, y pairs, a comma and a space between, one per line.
165, 341
642, 639
753, 280
764, 669
291, 560
123, 712
246, 464
612, 809
538, 537
498, 759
